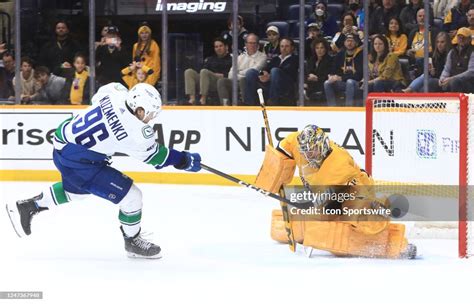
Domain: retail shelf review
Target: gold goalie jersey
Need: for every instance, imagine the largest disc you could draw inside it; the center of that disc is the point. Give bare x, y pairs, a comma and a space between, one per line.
364, 236
338, 168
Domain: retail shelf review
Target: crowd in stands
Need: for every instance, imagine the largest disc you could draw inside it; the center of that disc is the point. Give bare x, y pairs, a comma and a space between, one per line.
333, 72
60, 74
334, 57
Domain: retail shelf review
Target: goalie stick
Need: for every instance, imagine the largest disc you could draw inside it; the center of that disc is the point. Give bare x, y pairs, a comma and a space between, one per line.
300, 205
283, 204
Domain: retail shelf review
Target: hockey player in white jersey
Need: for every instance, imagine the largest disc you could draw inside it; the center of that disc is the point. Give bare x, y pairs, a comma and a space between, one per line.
117, 121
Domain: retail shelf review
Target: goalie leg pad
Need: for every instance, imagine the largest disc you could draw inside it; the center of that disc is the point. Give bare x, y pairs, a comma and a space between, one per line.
277, 169
397, 241
340, 238
278, 231
366, 224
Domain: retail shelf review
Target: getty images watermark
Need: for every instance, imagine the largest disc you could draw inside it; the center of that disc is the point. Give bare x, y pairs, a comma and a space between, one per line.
21, 295
320, 199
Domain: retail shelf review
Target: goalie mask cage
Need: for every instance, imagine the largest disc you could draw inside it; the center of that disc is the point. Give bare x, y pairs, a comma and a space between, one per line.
425, 139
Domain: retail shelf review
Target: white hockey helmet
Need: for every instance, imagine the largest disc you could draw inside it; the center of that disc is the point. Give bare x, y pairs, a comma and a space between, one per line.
145, 96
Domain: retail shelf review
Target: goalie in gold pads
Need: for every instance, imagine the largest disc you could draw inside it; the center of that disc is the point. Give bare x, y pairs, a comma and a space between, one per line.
325, 168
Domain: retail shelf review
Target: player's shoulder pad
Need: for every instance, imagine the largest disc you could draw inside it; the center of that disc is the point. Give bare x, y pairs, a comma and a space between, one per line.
113, 87
115, 90
289, 143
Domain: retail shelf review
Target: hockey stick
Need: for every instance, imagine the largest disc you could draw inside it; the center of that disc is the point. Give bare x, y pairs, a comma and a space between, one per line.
301, 205
283, 204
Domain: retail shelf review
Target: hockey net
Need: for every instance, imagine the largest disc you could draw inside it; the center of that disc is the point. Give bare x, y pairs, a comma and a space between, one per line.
421, 145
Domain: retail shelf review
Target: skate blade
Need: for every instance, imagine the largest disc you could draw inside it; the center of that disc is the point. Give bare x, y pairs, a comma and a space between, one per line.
134, 255
14, 215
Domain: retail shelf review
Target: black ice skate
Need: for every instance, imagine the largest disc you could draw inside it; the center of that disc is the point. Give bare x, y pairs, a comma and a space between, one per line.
409, 252
137, 247
21, 213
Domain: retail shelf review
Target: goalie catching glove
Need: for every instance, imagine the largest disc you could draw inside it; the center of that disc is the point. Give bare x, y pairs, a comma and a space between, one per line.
191, 162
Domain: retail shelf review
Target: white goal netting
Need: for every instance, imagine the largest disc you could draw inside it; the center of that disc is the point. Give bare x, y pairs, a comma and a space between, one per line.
419, 146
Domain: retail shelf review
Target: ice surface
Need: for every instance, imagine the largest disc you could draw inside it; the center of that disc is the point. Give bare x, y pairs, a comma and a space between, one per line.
217, 250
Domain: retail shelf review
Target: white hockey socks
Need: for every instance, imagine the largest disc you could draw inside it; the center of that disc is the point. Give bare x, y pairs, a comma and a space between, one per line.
130, 207
54, 195
130, 213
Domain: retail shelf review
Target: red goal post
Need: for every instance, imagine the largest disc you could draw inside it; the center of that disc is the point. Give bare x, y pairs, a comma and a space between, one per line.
413, 124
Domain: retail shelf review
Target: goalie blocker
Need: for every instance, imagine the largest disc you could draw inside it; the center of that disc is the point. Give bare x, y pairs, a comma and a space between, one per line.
365, 236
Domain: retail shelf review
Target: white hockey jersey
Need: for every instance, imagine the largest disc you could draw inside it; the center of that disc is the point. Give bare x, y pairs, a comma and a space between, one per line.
108, 127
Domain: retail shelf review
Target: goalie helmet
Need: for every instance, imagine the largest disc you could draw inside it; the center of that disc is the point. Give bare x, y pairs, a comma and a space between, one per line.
314, 145
145, 96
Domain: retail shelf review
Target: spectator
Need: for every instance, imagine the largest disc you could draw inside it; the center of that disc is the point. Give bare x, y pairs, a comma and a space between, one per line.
111, 57
348, 26
401, 3
7, 74
436, 65
416, 42
357, 10
252, 58
8, 65
103, 34
214, 68
408, 15
78, 84
147, 51
278, 77
385, 72
456, 17
397, 41
3, 48
52, 88
346, 74
58, 54
5, 92
442, 7
374, 5
313, 32
227, 35
272, 48
380, 18
327, 23
470, 21
458, 73
135, 73
317, 70
29, 87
